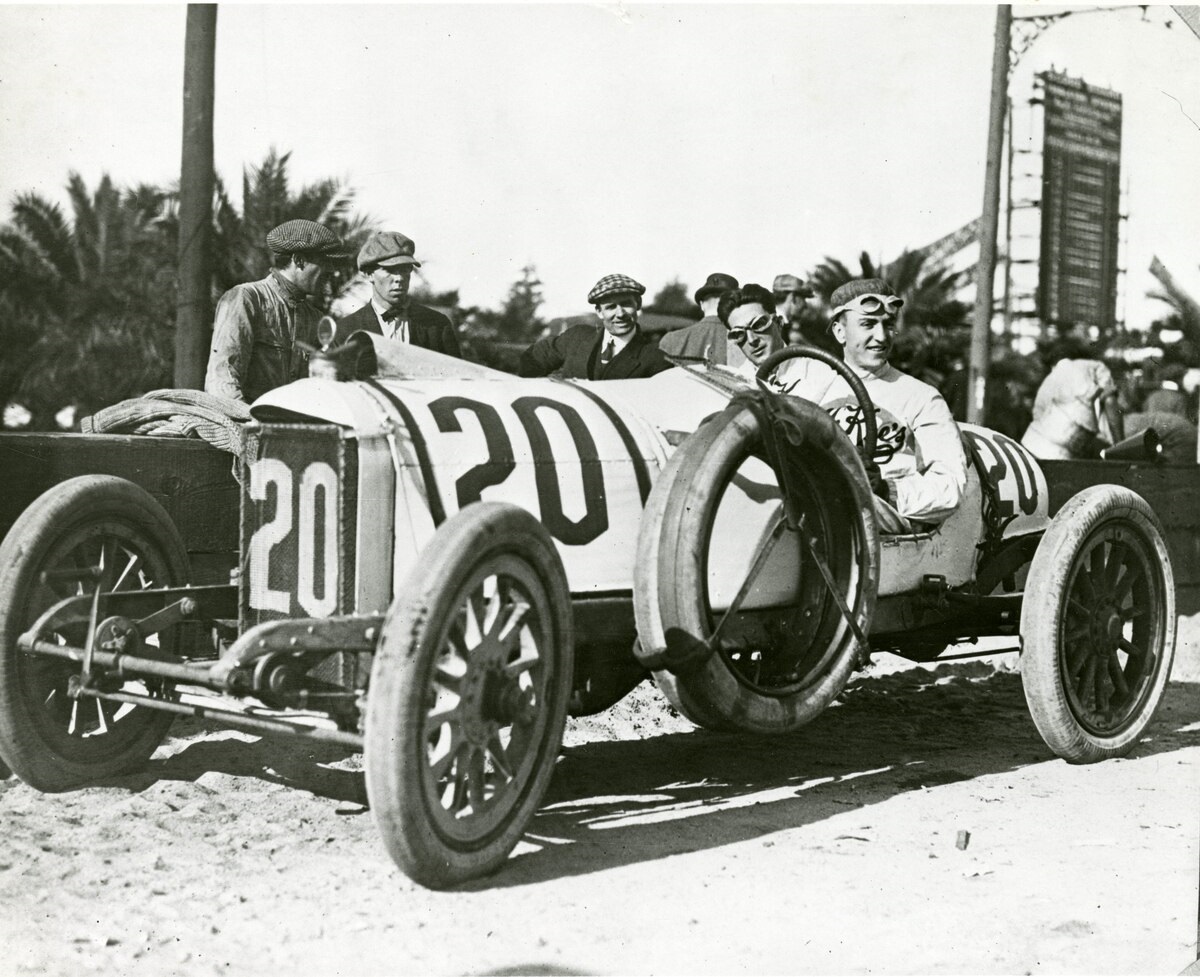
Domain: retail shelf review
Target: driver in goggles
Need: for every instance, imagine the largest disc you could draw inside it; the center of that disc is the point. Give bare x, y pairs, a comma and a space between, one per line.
748, 314
919, 452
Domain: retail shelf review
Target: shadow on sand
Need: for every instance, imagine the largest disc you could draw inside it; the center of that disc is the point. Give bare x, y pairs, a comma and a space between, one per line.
626, 801
617, 803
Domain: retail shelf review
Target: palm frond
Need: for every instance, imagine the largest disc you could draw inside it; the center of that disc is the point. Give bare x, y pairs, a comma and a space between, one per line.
325, 202
86, 225
265, 193
868, 267
43, 226
904, 272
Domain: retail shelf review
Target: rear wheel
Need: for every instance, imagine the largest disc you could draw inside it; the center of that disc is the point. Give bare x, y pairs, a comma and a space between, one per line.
468, 695
1099, 639
52, 741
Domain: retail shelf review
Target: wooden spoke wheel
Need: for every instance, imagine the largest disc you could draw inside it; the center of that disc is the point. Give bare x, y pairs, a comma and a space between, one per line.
53, 741
1098, 625
468, 697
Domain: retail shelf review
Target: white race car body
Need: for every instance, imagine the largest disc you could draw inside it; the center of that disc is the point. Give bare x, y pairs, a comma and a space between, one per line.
581, 456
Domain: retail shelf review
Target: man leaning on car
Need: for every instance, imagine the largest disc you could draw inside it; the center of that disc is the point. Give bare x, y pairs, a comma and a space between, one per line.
258, 324
618, 351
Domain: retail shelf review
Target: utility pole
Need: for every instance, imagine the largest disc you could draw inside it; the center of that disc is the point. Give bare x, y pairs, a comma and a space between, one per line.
1008, 234
193, 312
986, 270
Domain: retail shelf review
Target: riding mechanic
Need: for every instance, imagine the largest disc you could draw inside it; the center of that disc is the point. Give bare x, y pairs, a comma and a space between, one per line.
919, 451
387, 259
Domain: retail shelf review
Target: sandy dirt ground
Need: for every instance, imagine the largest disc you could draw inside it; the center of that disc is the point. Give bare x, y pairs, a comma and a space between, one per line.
660, 850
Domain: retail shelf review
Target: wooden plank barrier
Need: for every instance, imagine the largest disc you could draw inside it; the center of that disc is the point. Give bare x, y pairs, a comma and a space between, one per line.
191, 479
1173, 492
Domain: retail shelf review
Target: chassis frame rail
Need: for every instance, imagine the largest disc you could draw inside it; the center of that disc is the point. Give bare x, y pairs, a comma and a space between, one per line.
242, 669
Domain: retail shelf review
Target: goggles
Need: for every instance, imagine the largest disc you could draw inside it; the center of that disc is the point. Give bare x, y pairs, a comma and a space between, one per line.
760, 326
871, 304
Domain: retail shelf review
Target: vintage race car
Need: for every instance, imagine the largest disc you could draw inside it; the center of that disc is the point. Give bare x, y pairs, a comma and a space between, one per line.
436, 566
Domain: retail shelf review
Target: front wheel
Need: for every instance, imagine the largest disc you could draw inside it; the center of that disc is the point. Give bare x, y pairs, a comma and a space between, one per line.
468, 696
1099, 639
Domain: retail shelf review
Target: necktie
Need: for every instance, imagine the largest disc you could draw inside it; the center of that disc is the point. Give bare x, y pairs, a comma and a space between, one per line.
606, 356
393, 323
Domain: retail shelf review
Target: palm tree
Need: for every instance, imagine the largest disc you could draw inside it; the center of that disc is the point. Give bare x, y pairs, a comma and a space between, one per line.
37, 255
63, 284
267, 201
87, 302
929, 295
935, 325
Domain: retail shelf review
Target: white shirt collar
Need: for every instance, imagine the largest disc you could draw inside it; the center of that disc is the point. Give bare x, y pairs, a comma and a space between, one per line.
863, 373
619, 342
397, 328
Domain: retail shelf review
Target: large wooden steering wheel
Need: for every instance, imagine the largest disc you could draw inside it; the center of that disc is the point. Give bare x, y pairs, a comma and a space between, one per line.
870, 428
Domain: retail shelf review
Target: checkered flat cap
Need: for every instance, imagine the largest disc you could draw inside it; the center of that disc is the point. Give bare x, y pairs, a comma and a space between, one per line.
306, 237
613, 285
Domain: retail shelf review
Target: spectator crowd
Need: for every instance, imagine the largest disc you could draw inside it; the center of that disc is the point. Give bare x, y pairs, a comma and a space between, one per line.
1067, 402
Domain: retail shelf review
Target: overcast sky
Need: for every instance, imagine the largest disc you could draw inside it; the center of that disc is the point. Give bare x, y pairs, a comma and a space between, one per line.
655, 140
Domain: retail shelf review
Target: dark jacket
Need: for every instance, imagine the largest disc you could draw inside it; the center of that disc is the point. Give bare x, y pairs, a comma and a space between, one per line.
576, 352
426, 328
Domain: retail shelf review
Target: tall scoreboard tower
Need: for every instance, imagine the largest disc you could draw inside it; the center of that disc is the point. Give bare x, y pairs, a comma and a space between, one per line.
1080, 204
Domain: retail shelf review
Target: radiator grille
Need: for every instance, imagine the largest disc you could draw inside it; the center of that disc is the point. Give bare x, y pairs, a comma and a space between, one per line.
299, 518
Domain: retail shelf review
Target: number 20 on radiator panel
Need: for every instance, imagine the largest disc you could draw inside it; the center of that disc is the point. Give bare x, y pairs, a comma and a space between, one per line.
303, 529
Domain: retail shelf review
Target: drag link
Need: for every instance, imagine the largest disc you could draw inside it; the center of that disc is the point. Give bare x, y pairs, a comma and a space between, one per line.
227, 717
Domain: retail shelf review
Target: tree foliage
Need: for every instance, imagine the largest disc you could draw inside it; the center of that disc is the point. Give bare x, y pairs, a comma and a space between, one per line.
1184, 311
673, 299
518, 320
269, 199
87, 303
87, 296
935, 329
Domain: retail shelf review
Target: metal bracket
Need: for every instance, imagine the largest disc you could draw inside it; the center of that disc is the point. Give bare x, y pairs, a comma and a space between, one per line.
350, 633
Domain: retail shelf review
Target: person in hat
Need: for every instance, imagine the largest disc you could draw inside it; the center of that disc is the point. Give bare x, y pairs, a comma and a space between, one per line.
258, 324
706, 339
387, 259
921, 466
616, 351
790, 295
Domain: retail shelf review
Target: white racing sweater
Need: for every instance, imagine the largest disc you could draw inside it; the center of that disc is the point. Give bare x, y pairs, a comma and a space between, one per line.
919, 447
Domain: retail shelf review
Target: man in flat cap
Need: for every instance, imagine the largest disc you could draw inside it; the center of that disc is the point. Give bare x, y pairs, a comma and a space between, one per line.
790, 295
618, 351
388, 259
706, 339
922, 469
258, 324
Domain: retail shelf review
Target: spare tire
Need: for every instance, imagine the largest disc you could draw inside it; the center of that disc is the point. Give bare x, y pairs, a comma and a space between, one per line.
788, 648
